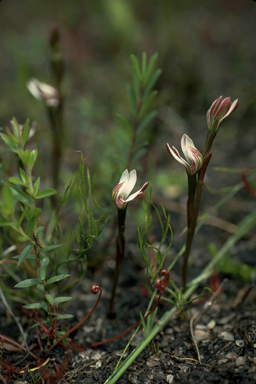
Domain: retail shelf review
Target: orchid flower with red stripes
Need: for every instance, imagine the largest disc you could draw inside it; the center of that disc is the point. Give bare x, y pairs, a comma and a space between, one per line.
120, 194
194, 159
219, 110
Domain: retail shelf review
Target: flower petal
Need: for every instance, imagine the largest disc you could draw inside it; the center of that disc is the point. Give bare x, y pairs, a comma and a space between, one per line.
130, 184
175, 153
137, 194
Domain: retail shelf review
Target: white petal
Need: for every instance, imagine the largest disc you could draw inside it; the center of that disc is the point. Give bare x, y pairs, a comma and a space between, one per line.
137, 194
130, 185
175, 153
32, 86
186, 142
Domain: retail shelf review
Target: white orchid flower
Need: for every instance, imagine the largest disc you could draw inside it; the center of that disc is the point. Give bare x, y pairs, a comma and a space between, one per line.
122, 190
45, 92
194, 159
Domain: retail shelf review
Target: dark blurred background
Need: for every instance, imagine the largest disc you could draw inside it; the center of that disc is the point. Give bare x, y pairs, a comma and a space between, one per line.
206, 49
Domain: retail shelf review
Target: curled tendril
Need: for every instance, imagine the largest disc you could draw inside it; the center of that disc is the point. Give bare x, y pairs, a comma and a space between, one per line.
95, 289
161, 284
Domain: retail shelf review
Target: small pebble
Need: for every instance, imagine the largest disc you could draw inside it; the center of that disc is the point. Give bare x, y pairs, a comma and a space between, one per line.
201, 335
98, 364
211, 324
227, 336
169, 378
240, 361
240, 343
222, 361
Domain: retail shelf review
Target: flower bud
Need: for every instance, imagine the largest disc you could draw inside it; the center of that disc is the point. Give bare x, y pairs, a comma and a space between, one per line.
45, 92
219, 110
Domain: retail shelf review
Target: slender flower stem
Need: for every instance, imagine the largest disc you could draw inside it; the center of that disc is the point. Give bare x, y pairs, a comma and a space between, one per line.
194, 198
120, 248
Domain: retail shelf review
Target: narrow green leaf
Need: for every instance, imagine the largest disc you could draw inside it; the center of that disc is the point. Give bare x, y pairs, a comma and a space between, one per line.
20, 195
28, 257
147, 119
45, 193
151, 82
56, 278
139, 154
7, 201
36, 186
10, 142
136, 65
44, 262
40, 273
136, 85
51, 247
15, 128
39, 229
34, 306
5, 223
124, 122
30, 226
133, 101
146, 103
150, 67
25, 156
26, 283
32, 159
61, 299
15, 180
24, 254
144, 64
25, 133
59, 317
23, 176
50, 299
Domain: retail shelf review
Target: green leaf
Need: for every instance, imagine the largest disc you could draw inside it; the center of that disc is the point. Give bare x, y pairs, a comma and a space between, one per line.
150, 67
32, 159
51, 247
36, 186
136, 65
59, 317
144, 64
27, 283
20, 195
15, 180
40, 287
50, 299
25, 157
61, 299
7, 201
34, 212
147, 119
56, 278
34, 306
25, 133
15, 129
147, 102
124, 122
133, 101
30, 227
24, 177
46, 192
24, 254
28, 257
10, 142
39, 229
151, 82
40, 273
44, 262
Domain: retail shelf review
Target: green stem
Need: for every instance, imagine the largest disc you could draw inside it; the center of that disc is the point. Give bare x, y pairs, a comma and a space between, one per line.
120, 249
247, 223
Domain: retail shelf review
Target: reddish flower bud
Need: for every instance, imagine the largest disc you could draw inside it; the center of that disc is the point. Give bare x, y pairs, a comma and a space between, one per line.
219, 110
